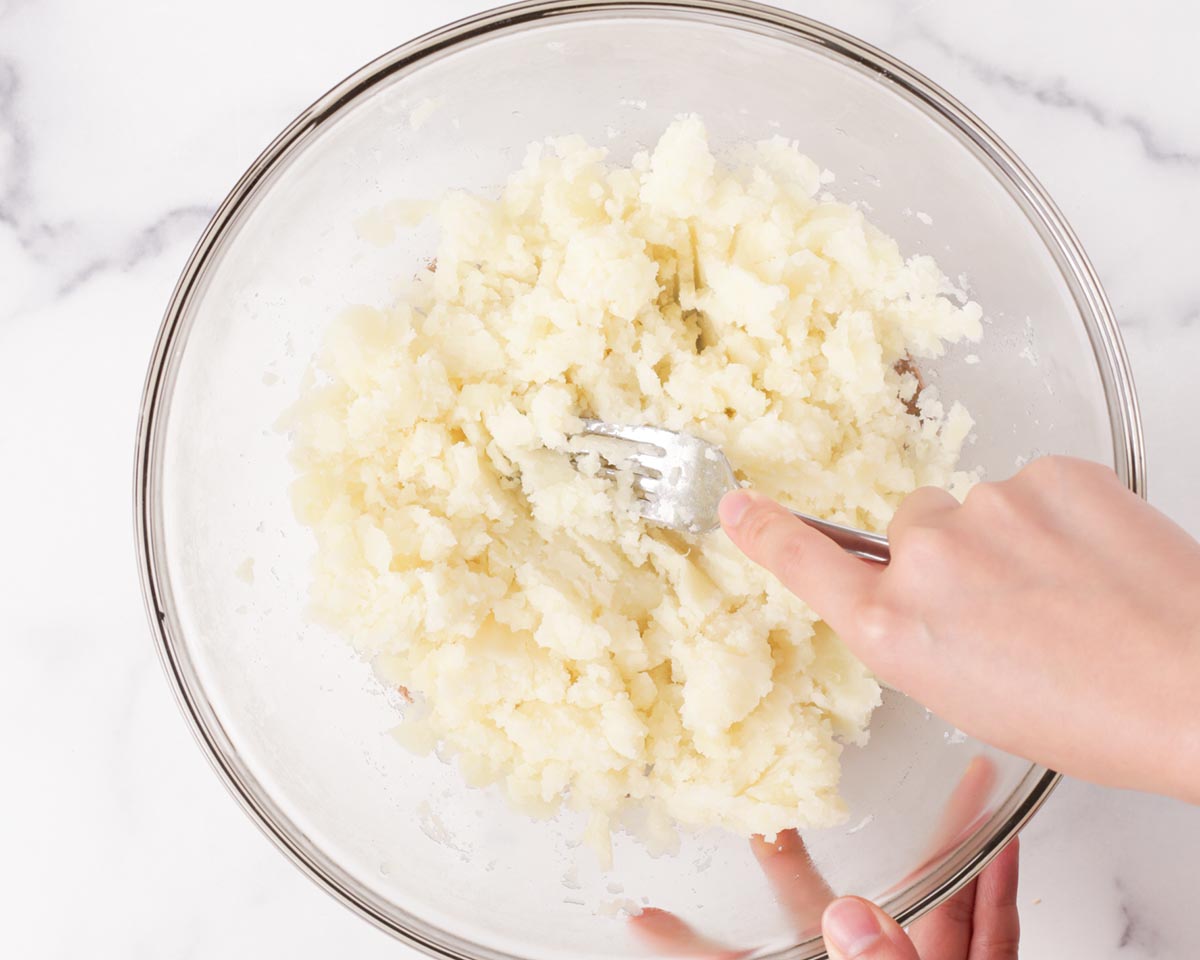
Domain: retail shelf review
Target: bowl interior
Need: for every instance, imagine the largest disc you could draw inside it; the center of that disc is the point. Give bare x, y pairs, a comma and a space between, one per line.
299, 722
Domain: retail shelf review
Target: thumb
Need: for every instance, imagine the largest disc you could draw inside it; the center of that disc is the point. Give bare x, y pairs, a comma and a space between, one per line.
856, 929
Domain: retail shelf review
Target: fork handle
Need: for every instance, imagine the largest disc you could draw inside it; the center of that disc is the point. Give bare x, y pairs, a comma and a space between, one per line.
857, 543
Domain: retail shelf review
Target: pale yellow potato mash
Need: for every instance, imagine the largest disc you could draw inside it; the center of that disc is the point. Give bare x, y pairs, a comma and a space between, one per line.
551, 640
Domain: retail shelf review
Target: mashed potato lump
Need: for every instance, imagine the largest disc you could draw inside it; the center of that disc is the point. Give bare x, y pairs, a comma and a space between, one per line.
552, 641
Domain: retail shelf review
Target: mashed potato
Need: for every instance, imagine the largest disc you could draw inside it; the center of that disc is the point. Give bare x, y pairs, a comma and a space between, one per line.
551, 640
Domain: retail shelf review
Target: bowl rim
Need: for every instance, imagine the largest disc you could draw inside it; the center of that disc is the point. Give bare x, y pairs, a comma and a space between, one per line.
1111, 358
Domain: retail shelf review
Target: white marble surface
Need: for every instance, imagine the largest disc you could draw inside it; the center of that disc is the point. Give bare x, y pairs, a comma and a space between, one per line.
123, 123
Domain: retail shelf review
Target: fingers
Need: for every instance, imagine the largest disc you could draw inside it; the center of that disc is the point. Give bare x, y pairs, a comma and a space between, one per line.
924, 507
947, 930
965, 807
855, 929
808, 563
997, 925
665, 933
799, 888
980, 922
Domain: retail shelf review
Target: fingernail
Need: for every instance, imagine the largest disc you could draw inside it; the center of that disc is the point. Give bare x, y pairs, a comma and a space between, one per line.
851, 927
733, 507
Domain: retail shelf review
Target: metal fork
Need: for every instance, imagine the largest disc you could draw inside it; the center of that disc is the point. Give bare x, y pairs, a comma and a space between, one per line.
679, 479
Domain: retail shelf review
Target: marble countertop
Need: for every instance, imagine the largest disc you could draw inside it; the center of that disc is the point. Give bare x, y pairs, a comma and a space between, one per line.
122, 125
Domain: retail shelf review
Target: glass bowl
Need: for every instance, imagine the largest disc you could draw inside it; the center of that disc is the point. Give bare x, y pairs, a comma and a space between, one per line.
296, 725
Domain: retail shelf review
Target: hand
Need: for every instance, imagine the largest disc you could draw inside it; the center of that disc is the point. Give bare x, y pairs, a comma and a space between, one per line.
1055, 615
978, 923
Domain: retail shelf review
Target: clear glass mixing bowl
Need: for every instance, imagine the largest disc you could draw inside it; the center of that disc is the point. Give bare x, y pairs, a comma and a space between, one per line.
296, 725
